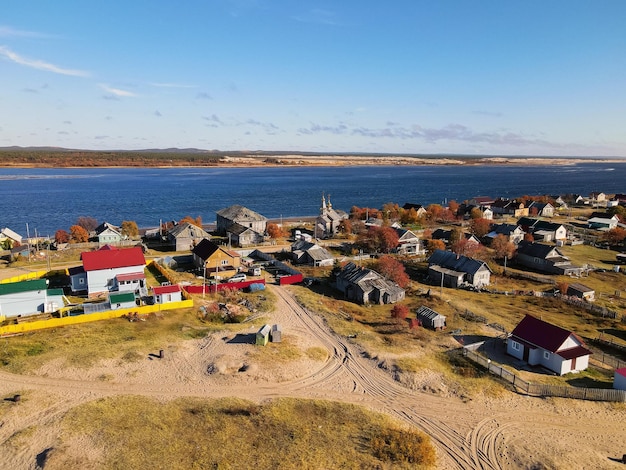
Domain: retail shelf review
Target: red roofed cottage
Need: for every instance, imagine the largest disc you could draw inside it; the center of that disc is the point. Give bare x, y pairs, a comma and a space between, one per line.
540, 343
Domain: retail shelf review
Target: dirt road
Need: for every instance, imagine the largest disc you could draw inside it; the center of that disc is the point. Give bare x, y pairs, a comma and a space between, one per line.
482, 434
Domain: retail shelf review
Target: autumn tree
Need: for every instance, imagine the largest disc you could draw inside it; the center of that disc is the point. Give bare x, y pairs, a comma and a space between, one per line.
275, 231
409, 217
391, 211
466, 247
502, 247
88, 223
453, 206
562, 286
528, 237
61, 236
456, 234
130, 229
615, 236
78, 234
378, 239
197, 221
392, 269
476, 213
434, 245
400, 312
345, 226
480, 227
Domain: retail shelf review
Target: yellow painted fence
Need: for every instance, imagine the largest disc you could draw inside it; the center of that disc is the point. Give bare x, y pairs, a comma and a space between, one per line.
85, 318
24, 277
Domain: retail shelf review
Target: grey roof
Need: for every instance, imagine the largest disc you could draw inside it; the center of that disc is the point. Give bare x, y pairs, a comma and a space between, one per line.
450, 260
368, 279
425, 312
188, 230
239, 213
575, 286
505, 229
537, 250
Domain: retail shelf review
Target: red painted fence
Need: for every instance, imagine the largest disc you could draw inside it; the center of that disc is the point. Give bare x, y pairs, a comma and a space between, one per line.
208, 288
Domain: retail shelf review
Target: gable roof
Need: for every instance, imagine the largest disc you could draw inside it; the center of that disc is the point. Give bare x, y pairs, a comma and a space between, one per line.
187, 230
537, 250
205, 249
429, 313
239, 213
450, 260
111, 258
505, 229
7, 232
546, 336
104, 226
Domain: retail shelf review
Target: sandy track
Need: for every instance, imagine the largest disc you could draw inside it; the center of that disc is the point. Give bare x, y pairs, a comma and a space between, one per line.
485, 434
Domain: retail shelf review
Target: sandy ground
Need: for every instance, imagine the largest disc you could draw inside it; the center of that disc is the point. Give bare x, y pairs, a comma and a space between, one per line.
509, 431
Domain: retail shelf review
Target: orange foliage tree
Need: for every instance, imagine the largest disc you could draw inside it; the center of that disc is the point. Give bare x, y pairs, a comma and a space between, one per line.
78, 234
393, 269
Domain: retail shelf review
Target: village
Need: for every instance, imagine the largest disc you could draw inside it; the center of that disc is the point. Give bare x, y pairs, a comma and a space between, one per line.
529, 290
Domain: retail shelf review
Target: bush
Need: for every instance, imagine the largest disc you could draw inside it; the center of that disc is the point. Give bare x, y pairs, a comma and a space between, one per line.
398, 445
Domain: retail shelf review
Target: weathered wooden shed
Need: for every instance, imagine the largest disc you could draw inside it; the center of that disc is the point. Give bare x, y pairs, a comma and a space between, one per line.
276, 334
262, 336
431, 319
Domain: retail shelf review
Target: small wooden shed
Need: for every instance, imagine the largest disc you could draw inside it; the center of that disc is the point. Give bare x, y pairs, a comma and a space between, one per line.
430, 319
263, 335
276, 334
122, 300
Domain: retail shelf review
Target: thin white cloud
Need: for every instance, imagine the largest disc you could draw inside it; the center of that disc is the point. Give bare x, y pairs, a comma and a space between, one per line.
172, 85
39, 64
9, 32
116, 91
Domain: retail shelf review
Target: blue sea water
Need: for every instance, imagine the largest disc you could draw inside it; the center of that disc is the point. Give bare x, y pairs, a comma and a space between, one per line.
52, 199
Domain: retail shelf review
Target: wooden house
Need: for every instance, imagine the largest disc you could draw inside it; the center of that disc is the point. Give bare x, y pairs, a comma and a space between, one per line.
509, 207
263, 335
365, 286
541, 209
215, 261
545, 258
540, 343
512, 232
241, 225
303, 252
107, 233
13, 237
185, 236
409, 243
543, 230
452, 270
581, 291
428, 318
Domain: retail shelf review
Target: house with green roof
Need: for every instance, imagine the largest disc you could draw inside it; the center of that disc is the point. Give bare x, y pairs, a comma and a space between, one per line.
23, 298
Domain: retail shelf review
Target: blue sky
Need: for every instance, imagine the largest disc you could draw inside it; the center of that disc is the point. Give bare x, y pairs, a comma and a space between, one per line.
471, 77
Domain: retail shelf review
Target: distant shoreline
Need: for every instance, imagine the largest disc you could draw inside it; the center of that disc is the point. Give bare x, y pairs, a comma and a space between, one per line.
235, 160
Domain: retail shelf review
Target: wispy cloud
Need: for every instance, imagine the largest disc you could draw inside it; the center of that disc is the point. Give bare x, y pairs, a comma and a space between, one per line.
39, 64
488, 113
117, 91
157, 113
172, 85
9, 32
203, 96
451, 132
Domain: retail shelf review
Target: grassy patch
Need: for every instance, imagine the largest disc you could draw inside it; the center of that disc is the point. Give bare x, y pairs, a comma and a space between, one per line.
317, 354
141, 433
277, 353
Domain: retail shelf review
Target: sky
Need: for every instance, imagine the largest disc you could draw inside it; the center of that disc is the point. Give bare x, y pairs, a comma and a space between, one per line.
532, 77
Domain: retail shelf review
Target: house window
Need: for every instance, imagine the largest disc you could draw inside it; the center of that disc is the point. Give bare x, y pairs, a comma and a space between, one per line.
546, 355
224, 262
81, 281
515, 345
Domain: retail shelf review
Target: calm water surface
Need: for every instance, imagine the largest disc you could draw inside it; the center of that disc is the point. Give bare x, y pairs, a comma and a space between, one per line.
52, 199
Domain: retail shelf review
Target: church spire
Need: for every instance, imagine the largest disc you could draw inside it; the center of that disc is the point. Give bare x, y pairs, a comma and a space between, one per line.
323, 208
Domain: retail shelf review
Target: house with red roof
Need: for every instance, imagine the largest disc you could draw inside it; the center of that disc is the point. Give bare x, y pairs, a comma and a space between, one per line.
540, 343
167, 293
110, 269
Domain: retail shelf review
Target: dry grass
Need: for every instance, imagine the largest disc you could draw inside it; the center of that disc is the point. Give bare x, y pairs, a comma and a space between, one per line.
132, 432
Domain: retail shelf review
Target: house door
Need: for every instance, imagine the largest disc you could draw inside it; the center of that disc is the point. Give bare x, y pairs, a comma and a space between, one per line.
573, 364
526, 352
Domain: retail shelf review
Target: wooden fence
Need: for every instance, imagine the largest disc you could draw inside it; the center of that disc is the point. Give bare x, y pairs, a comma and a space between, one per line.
541, 390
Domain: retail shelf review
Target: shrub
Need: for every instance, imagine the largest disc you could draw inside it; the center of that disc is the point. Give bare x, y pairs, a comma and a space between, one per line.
398, 445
